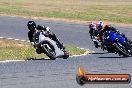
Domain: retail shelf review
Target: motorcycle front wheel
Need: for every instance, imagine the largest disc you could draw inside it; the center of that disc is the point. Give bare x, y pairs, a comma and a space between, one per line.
66, 55
49, 50
121, 50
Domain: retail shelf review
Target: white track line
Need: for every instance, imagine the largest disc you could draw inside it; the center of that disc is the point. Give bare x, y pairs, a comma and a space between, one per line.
11, 61
14, 39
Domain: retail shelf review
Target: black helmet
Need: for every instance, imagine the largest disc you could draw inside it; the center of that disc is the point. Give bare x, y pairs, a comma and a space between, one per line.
31, 25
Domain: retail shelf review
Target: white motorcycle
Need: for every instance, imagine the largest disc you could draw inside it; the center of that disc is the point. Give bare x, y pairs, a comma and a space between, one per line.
49, 46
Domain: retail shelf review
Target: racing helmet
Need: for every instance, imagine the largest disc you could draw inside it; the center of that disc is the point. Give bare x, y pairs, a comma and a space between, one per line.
31, 25
100, 25
92, 26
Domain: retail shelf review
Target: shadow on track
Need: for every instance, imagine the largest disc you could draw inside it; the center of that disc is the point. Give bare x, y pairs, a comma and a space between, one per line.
113, 57
37, 59
108, 56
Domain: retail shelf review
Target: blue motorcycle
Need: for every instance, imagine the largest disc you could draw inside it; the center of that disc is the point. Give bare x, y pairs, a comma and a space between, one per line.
115, 43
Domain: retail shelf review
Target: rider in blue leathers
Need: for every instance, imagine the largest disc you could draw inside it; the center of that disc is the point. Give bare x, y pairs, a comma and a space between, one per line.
103, 28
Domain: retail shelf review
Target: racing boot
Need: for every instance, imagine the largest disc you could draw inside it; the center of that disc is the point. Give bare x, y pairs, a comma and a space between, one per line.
129, 46
58, 42
61, 46
130, 41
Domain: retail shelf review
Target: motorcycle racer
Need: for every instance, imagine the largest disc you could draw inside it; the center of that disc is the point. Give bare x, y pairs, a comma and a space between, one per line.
33, 28
102, 28
94, 34
93, 29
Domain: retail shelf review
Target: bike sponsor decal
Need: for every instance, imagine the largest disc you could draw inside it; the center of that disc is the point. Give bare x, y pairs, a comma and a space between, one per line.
84, 78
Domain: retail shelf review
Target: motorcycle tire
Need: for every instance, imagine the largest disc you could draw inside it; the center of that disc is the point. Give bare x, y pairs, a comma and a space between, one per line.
47, 51
120, 51
96, 44
66, 55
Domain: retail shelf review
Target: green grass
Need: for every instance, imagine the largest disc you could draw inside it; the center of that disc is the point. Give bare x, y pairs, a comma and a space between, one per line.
18, 50
107, 10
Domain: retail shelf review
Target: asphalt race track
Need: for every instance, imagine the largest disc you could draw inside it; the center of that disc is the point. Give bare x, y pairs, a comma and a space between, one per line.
60, 73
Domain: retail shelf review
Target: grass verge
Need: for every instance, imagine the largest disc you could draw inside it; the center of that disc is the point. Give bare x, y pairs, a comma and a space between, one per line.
107, 10
18, 50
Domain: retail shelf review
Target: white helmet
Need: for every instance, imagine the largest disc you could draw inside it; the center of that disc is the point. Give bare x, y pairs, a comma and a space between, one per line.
92, 26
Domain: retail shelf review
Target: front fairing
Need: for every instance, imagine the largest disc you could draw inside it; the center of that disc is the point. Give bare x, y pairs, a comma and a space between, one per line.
40, 38
111, 37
